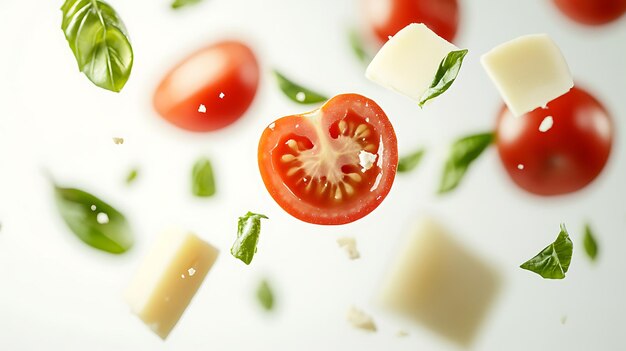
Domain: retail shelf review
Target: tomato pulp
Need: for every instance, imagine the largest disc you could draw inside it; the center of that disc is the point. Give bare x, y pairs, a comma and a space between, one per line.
333, 165
210, 89
387, 17
556, 150
592, 12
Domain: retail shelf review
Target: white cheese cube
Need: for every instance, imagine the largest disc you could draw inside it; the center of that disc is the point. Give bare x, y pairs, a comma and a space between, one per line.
529, 72
438, 283
168, 278
408, 62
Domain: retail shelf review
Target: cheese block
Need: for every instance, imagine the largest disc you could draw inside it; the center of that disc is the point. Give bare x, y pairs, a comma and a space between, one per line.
408, 62
168, 278
529, 72
437, 282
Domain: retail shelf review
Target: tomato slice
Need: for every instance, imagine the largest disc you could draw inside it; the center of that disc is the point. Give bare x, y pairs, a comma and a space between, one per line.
559, 149
333, 165
210, 89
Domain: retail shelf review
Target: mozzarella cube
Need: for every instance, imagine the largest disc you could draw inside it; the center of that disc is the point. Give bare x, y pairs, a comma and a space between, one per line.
529, 72
168, 278
437, 282
409, 61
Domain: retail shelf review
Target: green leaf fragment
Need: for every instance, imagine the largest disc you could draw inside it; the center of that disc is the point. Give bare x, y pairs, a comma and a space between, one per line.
99, 40
358, 47
265, 296
248, 230
553, 261
132, 176
296, 92
408, 162
93, 221
462, 154
446, 75
202, 179
181, 3
590, 244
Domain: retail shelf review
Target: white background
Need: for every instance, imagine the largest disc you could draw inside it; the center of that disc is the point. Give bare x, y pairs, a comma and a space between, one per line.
58, 294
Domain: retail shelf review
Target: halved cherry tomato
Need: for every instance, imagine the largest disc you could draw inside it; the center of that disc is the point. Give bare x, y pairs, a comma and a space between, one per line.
210, 89
592, 12
333, 165
559, 157
387, 17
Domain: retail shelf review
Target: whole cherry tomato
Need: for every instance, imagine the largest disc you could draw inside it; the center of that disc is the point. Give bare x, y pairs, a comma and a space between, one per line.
592, 12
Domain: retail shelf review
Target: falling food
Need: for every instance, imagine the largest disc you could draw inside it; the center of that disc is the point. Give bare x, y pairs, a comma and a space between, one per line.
118, 141
349, 245
360, 320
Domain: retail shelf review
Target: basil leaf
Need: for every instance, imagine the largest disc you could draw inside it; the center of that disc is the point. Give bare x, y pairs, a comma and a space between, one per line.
297, 92
202, 180
358, 47
553, 261
590, 244
94, 221
445, 76
409, 162
132, 176
463, 152
265, 295
99, 41
248, 230
180, 3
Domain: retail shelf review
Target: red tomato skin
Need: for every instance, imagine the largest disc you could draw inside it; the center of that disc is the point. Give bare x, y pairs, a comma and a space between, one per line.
563, 159
441, 16
592, 12
312, 213
226, 94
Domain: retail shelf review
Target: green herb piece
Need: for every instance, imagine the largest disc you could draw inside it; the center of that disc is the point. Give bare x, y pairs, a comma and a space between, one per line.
94, 221
409, 162
132, 176
265, 296
202, 180
297, 92
358, 47
99, 41
181, 3
248, 230
590, 244
445, 76
553, 261
463, 152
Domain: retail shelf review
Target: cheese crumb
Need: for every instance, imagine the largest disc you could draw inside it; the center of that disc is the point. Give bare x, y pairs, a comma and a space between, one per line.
102, 218
349, 245
118, 141
546, 124
360, 320
366, 160
402, 333
202, 108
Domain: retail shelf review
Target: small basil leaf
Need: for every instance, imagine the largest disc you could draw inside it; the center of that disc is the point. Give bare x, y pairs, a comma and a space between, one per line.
248, 230
202, 180
553, 261
297, 92
445, 76
463, 152
358, 47
590, 244
265, 295
99, 41
132, 176
94, 221
409, 162
180, 3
